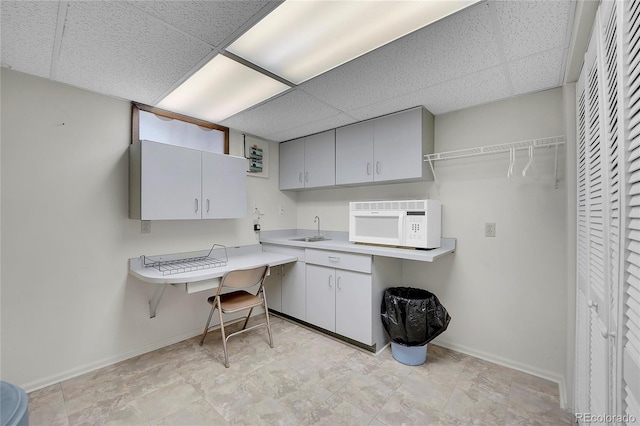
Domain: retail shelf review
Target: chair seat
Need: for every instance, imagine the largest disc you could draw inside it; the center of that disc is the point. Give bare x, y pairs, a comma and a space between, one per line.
237, 300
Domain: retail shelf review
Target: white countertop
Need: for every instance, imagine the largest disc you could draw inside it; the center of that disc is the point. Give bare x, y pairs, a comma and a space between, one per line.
339, 241
238, 258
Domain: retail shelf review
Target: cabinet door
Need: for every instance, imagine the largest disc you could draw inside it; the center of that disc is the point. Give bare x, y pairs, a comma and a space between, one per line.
321, 306
273, 288
170, 182
293, 290
320, 160
353, 311
398, 146
224, 186
292, 164
354, 153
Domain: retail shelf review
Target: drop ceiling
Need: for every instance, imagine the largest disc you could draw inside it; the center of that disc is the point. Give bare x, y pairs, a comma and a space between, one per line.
141, 50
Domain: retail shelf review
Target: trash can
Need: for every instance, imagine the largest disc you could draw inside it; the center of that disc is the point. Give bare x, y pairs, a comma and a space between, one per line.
412, 317
15, 405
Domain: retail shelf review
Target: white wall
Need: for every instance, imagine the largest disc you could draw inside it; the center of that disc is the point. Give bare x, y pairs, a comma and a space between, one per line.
68, 305
507, 295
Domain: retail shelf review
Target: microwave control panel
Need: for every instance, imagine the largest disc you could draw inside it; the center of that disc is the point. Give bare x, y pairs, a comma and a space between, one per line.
416, 230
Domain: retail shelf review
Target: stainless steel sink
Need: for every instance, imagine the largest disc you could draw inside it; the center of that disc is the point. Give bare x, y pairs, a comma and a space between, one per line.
310, 239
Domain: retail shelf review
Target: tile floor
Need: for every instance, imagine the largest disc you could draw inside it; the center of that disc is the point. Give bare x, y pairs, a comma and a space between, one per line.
307, 378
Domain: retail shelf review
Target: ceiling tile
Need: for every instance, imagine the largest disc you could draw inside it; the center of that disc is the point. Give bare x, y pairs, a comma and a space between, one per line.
291, 110
311, 128
537, 72
455, 46
478, 88
529, 27
210, 21
28, 34
112, 48
475, 89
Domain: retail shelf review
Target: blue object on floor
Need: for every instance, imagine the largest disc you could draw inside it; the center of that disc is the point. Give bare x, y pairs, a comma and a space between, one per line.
409, 355
14, 405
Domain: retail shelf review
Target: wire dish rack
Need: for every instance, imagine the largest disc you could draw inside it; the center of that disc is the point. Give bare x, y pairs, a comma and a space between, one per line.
188, 262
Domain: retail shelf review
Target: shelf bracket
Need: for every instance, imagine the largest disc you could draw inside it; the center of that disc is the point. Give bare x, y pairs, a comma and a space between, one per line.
435, 178
155, 300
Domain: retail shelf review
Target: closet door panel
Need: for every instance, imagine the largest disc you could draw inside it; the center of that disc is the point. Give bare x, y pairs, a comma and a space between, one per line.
630, 295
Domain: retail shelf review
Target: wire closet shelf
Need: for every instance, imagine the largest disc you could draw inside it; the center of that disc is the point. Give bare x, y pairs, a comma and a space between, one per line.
188, 262
511, 147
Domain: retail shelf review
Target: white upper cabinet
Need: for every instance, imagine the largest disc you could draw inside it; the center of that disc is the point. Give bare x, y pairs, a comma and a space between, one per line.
172, 182
320, 159
354, 153
224, 186
399, 143
292, 164
168, 184
389, 148
308, 162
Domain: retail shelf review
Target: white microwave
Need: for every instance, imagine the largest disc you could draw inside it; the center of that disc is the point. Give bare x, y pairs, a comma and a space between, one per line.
410, 223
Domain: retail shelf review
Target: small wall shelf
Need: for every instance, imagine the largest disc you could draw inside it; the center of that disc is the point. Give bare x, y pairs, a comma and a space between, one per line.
551, 142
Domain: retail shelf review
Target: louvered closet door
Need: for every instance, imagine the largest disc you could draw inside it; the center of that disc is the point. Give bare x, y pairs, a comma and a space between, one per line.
583, 320
630, 306
597, 228
610, 53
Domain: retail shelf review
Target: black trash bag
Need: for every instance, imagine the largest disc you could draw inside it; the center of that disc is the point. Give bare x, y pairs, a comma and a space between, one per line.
412, 316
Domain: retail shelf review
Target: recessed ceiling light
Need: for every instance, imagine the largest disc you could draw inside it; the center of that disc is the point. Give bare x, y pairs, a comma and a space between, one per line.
221, 88
302, 39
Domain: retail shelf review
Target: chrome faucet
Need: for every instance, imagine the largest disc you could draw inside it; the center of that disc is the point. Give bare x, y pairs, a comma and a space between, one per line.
317, 219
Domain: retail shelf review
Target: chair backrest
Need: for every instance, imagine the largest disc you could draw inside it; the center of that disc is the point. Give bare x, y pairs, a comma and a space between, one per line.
244, 278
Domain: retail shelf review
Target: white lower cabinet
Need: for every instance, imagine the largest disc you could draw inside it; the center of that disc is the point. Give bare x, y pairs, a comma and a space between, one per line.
321, 294
285, 286
273, 288
285, 289
339, 293
340, 301
354, 291
293, 290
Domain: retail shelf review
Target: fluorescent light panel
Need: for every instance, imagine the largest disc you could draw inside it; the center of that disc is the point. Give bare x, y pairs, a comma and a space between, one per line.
221, 88
302, 39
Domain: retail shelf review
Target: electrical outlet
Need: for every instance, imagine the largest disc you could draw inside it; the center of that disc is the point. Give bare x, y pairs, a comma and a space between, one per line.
489, 229
145, 226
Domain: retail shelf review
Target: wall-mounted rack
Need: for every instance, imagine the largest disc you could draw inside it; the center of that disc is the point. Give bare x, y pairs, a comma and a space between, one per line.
187, 262
511, 148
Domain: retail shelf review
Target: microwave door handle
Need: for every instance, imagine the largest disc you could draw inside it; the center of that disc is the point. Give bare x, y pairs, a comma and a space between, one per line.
401, 234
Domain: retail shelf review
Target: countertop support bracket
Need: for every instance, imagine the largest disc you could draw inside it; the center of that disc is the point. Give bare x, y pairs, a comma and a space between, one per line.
155, 300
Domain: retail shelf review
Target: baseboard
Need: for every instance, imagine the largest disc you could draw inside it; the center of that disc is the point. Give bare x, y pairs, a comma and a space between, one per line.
544, 374
87, 368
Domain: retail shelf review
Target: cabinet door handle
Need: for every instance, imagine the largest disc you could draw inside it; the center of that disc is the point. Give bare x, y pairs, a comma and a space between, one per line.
377, 167
330, 276
368, 168
197, 206
334, 258
282, 269
300, 177
208, 205
306, 176
338, 283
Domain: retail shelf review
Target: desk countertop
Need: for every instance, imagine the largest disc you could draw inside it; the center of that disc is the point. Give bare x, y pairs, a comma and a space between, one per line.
238, 258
